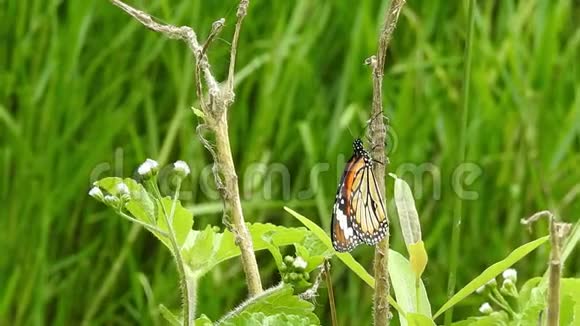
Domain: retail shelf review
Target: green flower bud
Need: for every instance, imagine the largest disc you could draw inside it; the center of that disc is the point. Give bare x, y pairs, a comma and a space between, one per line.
289, 260
112, 201
293, 276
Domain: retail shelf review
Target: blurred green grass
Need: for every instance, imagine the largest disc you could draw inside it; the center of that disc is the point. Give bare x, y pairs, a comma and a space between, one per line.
85, 89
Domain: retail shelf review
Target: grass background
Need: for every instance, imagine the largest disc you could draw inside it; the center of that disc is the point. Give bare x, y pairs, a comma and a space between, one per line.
86, 92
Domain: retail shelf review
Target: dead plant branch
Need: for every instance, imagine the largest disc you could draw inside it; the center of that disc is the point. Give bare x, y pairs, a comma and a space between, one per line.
215, 102
377, 134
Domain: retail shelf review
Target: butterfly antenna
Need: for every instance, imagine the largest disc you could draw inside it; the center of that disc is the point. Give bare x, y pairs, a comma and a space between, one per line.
350, 132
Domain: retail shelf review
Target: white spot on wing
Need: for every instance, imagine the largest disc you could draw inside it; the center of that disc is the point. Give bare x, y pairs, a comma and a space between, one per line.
342, 222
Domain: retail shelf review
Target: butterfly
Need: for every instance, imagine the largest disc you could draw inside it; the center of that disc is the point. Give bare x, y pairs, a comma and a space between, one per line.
358, 215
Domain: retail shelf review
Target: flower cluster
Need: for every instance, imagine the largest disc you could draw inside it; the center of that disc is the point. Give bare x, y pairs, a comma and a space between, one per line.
496, 296
116, 200
293, 270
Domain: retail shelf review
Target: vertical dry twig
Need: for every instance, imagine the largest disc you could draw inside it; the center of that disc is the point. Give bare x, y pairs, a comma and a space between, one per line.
377, 133
558, 233
215, 103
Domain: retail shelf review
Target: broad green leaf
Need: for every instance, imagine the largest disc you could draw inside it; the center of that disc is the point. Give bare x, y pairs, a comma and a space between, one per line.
567, 306
496, 318
408, 216
274, 250
313, 261
259, 319
172, 319
531, 301
345, 257
203, 321
182, 220
141, 205
275, 301
570, 301
491, 272
205, 249
525, 290
403, 283
415, 319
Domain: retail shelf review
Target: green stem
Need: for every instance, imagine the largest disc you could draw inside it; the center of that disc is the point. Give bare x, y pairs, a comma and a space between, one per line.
187, 283
458, 208
417, 280
501, 301
143, 224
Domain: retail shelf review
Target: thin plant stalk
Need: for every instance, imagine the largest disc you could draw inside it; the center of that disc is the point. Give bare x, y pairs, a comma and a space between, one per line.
458, 207
377, 134
330, 293
186, 282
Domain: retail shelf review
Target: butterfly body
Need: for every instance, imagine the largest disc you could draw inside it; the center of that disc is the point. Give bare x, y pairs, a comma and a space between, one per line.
358, 215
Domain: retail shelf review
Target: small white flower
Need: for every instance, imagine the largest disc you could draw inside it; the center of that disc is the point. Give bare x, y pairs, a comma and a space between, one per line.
111, 200
148, 167
96, 193
181, 168
509, 288
300, 263
486, 308
510, 274
480, 289
492, 282
507, 282
122, 189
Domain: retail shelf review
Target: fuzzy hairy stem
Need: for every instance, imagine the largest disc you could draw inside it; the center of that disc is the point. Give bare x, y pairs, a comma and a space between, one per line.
215, 102
377, 134
239, 309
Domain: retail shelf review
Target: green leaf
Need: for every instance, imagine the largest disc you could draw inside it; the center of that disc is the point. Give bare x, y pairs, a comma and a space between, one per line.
496, 318
273, 302
205, 249
570, 301
491, 272
415, 319
313, 261
274, 250
567, 313
525, 290
259, 319
141, 205
403, 283
198, 112
203, 321
169, 316
182, 221
532, 301
408, 216
345, 257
